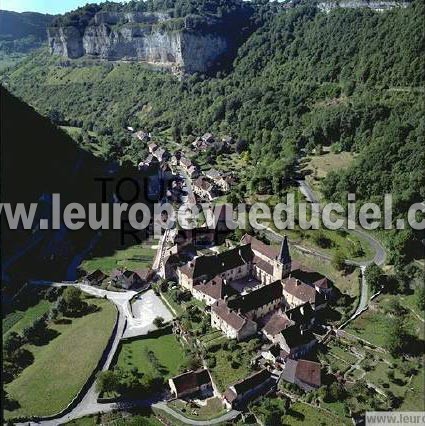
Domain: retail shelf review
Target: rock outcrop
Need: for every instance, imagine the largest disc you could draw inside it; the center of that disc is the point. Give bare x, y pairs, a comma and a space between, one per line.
378, 6
147, 37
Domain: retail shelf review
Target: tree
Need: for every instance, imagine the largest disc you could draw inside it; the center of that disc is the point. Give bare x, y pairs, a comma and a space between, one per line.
338, 261
73, 300
107, 382
396, 337
12, 342
395, 307
53, 314
420, 297
55, 116
158, 322
334, 392
241, 146
61, 305
164, 286
374, 277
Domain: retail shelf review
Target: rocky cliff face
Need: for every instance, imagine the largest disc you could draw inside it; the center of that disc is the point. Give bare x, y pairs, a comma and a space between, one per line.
140, 37
378, 6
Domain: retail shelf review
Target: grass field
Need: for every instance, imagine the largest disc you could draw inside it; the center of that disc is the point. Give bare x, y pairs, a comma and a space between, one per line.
380, 368
223, 373
116, 419
304, 414
370, 326
62, 366
18, 320
373, 324
347, 283
166, 348
413, 398
214, 408
133, 258
319, 166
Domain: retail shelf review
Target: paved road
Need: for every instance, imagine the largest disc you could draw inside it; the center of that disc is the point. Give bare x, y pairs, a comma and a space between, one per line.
380, 254
222, 419
379, 257
146, 308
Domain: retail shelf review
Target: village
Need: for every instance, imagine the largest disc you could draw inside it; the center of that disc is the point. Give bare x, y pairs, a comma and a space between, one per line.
210, 324
247, 289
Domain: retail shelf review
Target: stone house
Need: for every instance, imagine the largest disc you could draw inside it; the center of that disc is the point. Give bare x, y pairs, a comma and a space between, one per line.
191, 383
298, 293
126, 279
211, 291
231, 323
239, 394
204, 188
193, 172
95, 278
230, 265
259, 302
295, 342
304, 373
269, 263
153, 147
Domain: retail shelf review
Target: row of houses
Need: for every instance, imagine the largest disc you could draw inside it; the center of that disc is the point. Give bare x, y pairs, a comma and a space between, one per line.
120, 278
198, 384
202, 143
209, 184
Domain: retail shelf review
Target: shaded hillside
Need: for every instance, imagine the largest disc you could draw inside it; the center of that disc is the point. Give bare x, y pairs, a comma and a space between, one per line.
14, 25
22, 32
37, 160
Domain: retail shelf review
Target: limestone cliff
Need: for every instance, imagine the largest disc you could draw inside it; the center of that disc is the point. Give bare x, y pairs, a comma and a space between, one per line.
149, 37
377, 5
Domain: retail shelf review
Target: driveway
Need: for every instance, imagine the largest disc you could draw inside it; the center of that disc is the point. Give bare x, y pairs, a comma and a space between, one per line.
146, 307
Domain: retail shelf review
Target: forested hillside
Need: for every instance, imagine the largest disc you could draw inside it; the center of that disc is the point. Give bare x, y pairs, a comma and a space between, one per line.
38, 160
352, 79
21, 33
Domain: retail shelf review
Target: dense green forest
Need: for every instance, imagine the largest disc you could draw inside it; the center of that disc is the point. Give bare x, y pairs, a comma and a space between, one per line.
352, 79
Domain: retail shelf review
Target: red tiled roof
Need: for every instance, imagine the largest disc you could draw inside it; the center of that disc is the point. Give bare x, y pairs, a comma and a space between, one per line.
213, 288
294, 337
277, 322
263, 265
309, 372
300, 290
191, 381
323, 283
257, 298
232, 318
257, 245
309, 276
251, 382
210, 266
229, 395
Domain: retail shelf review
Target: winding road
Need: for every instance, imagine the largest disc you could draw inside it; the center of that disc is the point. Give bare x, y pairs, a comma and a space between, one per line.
379, 256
